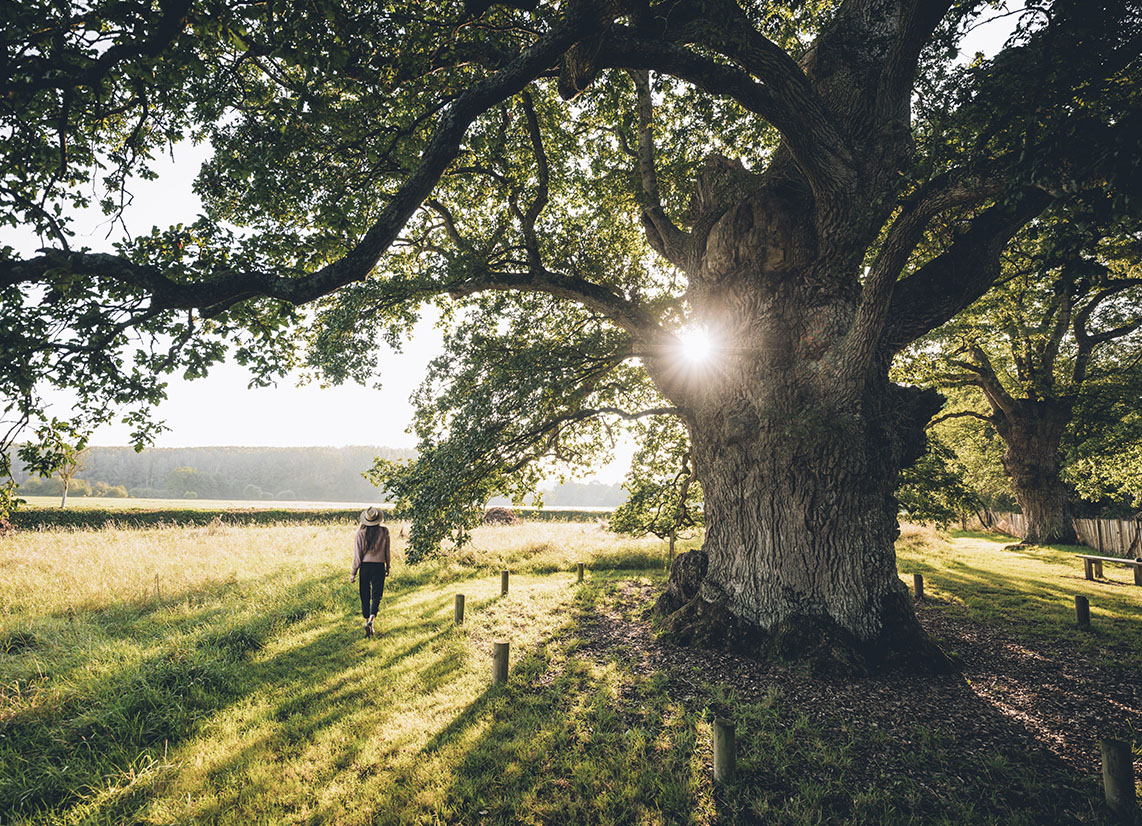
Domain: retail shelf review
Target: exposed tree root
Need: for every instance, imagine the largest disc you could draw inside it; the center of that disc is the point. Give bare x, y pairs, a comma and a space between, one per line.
825, 648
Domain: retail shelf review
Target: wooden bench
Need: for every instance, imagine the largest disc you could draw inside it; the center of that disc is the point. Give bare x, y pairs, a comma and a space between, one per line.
1092, 565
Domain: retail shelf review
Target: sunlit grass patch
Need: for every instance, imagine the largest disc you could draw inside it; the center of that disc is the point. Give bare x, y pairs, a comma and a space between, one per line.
219, 674
1029, 591
241, 690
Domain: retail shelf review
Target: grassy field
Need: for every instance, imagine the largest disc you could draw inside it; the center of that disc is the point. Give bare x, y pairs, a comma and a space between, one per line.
81, 502
1028, 591
219, 675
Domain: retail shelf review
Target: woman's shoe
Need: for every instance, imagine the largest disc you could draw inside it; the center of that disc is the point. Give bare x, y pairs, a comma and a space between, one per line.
369, 627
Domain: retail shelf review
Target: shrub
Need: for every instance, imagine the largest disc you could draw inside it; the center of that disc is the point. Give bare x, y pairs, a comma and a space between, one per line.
500, 516
47, 518
148, 493
108, 491
79, 487
41, 487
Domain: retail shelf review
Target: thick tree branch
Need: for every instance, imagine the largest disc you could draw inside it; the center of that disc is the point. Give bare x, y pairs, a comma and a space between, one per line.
229, 288
863, 339
528, 219
1059, 319
603, 300
919, 18
987, 380
961, 414
48, 72
667, 239
954, 279
813, 139
1087, 342
797, 110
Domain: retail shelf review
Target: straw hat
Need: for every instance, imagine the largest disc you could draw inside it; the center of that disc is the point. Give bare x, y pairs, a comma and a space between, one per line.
371, 516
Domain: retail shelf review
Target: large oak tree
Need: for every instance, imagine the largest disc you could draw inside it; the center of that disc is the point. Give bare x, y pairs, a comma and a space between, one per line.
580, 181
1048, 349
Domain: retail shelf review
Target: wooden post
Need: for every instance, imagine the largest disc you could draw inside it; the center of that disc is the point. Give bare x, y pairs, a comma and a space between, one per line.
725, 751
1118, 779
500, 662
1098, 533
503, 583
580, 567
459, 610
1082, 612
1138, 571
918, 586
1098, 568
1088, 568
1121, 539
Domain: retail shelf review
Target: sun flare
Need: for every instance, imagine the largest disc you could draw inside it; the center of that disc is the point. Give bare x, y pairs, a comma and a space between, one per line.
696, 345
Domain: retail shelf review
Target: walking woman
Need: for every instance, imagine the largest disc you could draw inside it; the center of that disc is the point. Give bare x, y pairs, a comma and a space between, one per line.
371, 561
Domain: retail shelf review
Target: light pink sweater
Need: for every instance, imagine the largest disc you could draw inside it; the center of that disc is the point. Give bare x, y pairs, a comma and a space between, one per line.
363, 554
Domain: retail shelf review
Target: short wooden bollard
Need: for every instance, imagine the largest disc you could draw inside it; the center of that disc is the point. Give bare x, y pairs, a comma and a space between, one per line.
459, 611
918, 586
1082, 612
499, 662
1118, 779
503, 583
580, 569
725, 751
1138, 571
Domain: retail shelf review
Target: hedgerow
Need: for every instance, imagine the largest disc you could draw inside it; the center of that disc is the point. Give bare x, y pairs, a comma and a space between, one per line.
45, 518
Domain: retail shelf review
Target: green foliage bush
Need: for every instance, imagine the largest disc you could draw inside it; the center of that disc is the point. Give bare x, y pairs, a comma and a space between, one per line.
551, 515
46, 518
39, 486
79, 487
109, 491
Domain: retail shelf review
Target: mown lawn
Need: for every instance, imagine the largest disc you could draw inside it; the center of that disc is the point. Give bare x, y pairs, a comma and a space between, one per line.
1028, 591
219, 675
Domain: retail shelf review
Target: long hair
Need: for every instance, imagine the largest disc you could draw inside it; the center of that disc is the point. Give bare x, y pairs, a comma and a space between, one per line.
373, 534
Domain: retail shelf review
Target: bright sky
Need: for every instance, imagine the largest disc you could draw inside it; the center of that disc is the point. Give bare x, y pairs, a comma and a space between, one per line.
221, 410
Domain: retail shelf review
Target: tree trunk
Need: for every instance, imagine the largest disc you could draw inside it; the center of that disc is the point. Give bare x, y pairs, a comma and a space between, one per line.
800, 531
63, 501
1032, 433
797, 450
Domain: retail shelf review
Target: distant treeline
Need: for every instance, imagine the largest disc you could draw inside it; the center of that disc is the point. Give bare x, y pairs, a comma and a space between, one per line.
330, 474
321, 474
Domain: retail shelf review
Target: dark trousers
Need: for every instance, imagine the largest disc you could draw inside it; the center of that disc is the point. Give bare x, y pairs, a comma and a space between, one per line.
372, 578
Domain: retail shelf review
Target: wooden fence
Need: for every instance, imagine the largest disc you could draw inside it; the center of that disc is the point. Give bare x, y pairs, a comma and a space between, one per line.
1109, 537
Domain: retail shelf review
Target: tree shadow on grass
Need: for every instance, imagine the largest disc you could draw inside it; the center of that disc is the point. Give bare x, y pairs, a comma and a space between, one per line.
153, 672
602, 739
593, 727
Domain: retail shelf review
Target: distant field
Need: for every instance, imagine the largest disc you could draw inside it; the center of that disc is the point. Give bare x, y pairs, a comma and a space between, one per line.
91, 502
80, 502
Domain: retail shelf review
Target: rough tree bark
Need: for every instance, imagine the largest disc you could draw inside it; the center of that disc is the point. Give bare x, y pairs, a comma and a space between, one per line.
798, 455
1032, 432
